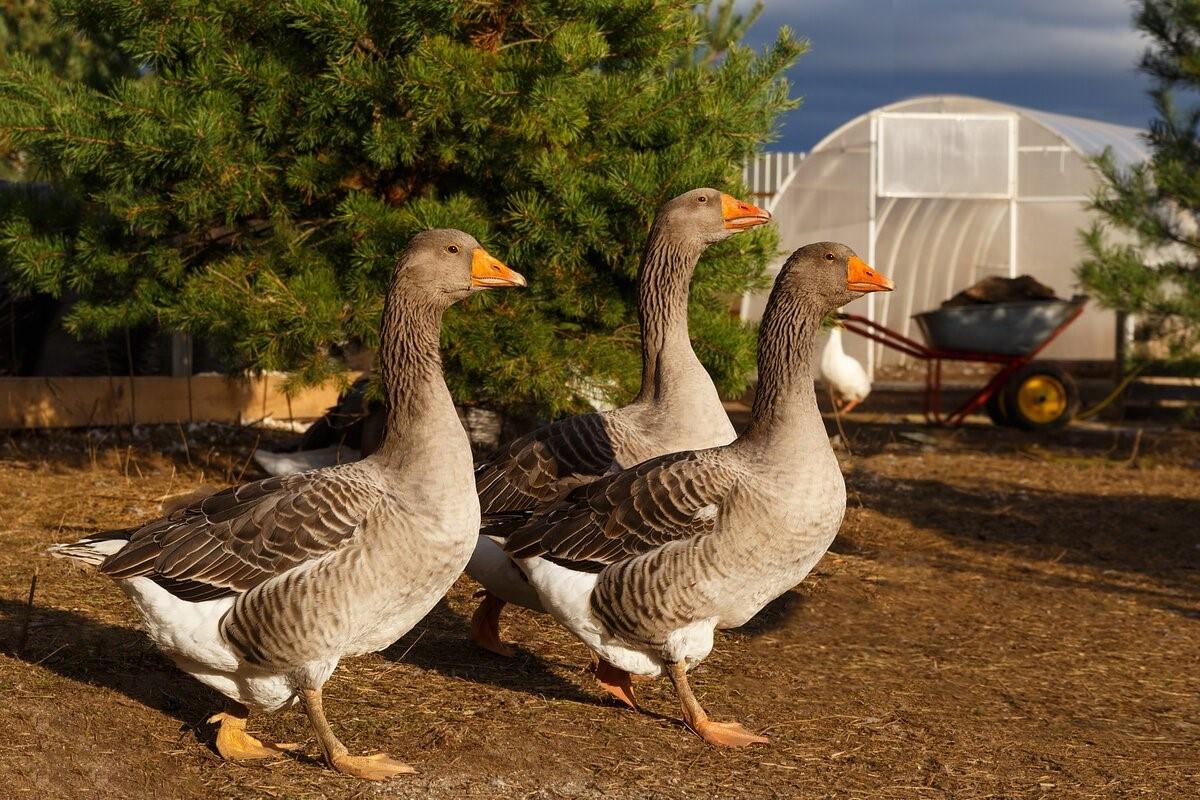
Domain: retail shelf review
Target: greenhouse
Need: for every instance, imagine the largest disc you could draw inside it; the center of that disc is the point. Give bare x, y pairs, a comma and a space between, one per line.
941, 191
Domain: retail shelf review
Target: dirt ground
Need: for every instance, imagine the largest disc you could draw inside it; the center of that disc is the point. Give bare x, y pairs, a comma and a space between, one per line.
1002, 616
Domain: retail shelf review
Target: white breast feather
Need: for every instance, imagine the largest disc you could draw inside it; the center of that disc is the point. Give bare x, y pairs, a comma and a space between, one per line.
492, 567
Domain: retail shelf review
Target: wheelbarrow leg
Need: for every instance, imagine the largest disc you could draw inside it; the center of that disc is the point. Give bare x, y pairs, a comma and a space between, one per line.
933, 391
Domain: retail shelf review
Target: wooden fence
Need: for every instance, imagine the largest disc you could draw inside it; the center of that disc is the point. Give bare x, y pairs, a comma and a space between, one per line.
103, 401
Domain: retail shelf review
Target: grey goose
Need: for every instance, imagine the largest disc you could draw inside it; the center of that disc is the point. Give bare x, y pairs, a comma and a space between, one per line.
260, 590
677, 408
643, 565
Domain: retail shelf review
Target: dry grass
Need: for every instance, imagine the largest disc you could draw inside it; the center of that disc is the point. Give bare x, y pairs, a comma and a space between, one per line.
1000, 618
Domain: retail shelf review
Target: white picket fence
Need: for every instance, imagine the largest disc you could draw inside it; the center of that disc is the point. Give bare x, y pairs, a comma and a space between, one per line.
766, 172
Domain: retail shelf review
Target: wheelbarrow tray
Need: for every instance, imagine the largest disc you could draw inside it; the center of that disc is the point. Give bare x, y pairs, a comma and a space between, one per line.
1013, 329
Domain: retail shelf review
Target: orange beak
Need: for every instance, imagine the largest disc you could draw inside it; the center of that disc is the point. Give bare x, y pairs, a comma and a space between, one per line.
487, 272
741, 216
862, 278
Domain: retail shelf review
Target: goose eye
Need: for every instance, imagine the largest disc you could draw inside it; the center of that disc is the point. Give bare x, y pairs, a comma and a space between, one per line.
452, 248
702, 199
829, 256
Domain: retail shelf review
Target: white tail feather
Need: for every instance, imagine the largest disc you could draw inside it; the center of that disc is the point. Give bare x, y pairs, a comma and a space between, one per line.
88, 551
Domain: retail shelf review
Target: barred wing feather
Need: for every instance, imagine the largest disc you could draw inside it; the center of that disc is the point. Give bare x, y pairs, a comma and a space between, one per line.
232, 541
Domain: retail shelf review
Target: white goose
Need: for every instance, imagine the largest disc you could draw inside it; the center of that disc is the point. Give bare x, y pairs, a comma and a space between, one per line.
843, 373
260, 590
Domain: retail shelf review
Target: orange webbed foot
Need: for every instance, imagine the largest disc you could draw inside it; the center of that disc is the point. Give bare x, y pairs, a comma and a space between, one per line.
234, 744
377, 767
485, 626
726, 734
617, 682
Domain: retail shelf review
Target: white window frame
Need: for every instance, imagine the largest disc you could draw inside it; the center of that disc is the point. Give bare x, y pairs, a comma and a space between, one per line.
881, 166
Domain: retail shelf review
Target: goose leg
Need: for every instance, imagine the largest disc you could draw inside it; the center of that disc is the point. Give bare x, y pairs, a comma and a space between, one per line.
617, 682
849, 406
485, 626
234, 744
722, 734
377, 767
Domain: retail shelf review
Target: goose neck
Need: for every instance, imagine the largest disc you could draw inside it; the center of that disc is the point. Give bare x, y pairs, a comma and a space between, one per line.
785, 413
410, 365
663, 283
835, 340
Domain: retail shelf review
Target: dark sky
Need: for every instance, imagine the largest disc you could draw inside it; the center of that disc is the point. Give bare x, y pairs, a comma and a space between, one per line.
1070, 56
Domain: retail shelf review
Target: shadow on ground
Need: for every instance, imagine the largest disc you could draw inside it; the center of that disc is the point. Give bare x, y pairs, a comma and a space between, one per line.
97, 654
1153, 536
440, 643
124, 660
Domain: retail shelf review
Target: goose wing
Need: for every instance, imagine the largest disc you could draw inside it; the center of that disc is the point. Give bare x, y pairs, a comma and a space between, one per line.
669, 498
542, 466
231, 541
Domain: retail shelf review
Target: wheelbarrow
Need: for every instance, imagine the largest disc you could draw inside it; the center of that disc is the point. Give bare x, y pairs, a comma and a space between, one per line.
1022, 393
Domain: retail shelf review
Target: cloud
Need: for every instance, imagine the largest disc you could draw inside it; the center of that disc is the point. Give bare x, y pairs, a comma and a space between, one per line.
945, 35
1074, 56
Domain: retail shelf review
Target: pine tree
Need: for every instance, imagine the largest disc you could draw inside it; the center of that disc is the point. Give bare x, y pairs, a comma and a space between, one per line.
28, 27
1152, 268
722, 26
255, 183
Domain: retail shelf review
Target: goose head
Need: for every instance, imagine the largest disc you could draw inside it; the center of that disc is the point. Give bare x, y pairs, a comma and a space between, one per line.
705, 216
829, 275
447, 265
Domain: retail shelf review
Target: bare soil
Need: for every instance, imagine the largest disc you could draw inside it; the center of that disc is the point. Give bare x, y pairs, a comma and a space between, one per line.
1003, 616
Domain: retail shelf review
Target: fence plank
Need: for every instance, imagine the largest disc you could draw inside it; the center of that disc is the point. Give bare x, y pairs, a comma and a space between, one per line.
101, 401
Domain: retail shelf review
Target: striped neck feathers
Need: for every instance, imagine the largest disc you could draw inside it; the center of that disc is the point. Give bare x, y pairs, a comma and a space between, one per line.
410, 363
785, 401
663, 283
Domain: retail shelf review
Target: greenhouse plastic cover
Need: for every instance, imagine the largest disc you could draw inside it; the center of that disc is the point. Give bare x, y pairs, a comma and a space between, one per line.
963, 188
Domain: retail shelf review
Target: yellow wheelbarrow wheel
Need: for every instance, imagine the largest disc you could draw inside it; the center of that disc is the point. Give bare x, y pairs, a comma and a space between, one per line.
1040, 397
